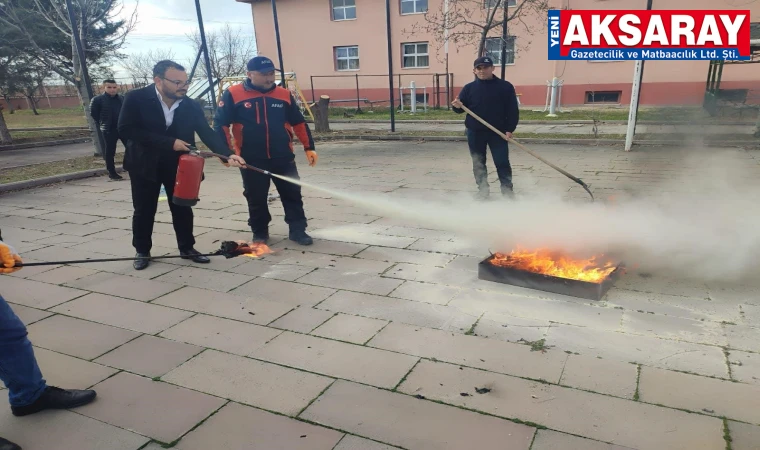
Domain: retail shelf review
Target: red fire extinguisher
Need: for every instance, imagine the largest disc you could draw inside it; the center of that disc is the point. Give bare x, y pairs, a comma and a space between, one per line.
189, 177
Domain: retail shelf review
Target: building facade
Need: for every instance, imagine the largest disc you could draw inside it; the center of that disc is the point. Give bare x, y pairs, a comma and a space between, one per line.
337, 44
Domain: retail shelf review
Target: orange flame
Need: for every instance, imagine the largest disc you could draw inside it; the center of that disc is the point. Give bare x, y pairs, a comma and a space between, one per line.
253, 249
555, 264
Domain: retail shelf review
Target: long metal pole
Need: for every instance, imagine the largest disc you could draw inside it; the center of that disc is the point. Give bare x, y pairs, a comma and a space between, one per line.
638, 77
85, 74
504, 41
390, 63
279, 44
195, 64
205, 54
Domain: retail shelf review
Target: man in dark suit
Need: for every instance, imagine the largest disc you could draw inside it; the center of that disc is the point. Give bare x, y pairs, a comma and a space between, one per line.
105, 109
159, 124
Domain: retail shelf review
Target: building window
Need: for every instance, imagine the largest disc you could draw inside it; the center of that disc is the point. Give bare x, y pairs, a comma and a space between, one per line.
603, 96
493, 3
493, 49
416, 55
347, 58
414, 6
344, 9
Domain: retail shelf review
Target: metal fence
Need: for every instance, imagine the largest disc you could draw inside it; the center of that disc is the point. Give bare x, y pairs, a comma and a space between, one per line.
374, 90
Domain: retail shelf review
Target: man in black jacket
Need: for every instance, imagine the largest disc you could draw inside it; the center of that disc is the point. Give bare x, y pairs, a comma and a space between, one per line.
105, 109
495, 101
158, 124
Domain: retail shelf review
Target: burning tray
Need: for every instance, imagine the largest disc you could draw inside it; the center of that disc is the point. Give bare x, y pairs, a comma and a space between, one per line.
592, 290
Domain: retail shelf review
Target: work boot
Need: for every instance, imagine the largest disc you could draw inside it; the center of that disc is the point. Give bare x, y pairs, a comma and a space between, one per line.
115, 176
56, 398
482, 194
8, 445
300, 237
507, 192
260, 238
141, 264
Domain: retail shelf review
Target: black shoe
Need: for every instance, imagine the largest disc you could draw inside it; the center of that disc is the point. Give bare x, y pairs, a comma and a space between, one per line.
55, 398
141, 264
300, 237
194, 255
260, 238
8, 445
115, 176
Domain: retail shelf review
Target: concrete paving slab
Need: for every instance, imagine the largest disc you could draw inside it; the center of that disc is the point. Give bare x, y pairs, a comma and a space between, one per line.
337, 359
130, 314
154, 409
149, 356
76, 337
595, 416
238, 426
66, 430
410, 423
244, 380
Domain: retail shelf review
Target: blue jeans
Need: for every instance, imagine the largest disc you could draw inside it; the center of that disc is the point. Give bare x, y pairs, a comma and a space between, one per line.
477, 141
18, 366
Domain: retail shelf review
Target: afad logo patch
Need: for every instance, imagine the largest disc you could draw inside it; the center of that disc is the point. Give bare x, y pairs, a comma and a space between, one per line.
248, 105
603, 35
221, 103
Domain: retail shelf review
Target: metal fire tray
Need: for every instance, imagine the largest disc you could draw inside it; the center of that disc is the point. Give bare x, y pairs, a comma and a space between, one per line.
548, 283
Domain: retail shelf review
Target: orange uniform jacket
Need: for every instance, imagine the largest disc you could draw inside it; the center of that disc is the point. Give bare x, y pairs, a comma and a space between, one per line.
261, 124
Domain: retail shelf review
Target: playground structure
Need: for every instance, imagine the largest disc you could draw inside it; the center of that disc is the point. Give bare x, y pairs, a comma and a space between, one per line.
717, 101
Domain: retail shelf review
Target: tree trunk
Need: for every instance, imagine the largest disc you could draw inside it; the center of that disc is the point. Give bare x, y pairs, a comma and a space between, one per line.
321, 115
85, 97
757, 125
7, 99
33, 103
5, 135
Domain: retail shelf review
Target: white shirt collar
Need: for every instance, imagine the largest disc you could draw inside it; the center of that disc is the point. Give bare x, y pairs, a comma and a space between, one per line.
168, 112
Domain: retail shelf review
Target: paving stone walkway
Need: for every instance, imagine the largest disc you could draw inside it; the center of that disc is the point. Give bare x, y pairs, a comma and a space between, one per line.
380, 335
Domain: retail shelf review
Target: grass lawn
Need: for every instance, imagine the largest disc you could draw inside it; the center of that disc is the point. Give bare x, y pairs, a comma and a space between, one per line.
65, 117
24, 137
75, 116
59, 168
518, 136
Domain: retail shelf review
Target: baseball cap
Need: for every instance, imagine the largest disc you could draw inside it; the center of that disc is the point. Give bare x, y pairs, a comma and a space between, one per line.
483, 61
260, 64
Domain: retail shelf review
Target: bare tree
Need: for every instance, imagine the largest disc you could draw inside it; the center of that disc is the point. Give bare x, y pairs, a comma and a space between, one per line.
472, 22
49, 35
140, 65
229, 50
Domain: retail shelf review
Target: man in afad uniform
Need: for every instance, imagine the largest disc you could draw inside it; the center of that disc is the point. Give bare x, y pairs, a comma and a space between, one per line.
259, 120
495, 101
105, 109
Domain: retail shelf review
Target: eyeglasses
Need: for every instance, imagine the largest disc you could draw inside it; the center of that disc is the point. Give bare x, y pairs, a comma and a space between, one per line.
178, 83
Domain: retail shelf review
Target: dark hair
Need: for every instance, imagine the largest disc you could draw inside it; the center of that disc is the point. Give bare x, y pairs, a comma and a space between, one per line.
159, 70
109, 81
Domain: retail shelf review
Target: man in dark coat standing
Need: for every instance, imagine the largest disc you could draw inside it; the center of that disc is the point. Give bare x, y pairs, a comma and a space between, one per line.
159, 123
495, 101
105, 109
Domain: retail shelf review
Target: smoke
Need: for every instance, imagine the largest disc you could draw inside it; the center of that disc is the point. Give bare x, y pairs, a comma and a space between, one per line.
698, 221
